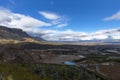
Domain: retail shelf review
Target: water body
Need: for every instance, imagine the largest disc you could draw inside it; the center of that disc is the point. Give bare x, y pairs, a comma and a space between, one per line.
69, 63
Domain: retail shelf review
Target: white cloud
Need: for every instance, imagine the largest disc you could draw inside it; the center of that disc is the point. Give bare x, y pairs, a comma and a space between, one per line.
49, 15
100, 37
116, 37
56, 20
16, 20
61, 25
26, 22
70, 35
115, 16
32, 25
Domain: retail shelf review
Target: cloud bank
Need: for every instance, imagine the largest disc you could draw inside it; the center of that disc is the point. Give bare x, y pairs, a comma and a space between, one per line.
16, 20
49, 15
70, 35
115, 16
57, 20
33, 26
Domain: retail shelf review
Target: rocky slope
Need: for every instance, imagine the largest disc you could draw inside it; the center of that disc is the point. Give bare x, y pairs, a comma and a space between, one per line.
12, 33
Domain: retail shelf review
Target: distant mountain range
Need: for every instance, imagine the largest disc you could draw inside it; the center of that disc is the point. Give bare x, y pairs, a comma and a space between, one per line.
15, 34
108, 36
18, 34
95, 40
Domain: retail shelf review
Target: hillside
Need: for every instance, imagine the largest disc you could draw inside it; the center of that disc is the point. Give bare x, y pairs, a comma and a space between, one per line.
45, 72
23, 55
12, 33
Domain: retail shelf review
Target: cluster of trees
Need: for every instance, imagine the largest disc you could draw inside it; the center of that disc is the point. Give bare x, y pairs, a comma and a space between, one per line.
64, 72
103, 59
17, 72
45, 72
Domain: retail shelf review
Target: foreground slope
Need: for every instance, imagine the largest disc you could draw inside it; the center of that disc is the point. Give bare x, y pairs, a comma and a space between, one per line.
45, 72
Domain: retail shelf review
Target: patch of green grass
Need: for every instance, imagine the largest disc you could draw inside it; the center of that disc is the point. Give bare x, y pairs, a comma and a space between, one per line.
45, 72
18, 72
64, 72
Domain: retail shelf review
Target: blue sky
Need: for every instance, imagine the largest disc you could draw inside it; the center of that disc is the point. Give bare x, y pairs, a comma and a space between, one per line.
78, 16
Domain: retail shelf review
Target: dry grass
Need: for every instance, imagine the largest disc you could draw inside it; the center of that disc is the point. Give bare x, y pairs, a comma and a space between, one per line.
112, 72
12, 41
6, 41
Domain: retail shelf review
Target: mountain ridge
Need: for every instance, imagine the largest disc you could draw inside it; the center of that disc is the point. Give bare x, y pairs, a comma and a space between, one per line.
12, 33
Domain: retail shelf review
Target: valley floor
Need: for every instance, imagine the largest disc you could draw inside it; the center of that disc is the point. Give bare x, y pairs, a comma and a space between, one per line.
100, 60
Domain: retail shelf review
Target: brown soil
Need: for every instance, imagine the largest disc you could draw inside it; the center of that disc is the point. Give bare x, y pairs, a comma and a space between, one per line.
112, 72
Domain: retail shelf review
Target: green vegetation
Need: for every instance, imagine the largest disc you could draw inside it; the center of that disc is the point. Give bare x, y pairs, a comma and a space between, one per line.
114, 59
64, 72
45, 72
17, 72
103, 59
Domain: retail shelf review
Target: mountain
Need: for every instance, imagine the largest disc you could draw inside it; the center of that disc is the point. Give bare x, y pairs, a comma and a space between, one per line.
36, 36
12, 33
108, 39
18, 34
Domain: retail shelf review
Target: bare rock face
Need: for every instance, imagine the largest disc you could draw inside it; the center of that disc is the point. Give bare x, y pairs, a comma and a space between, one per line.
12, 33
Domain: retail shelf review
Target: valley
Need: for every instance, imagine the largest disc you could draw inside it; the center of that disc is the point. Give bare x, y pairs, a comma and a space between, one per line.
22, 56
99, 59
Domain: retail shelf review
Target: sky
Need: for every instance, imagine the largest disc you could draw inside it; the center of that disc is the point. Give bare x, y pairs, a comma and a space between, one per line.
69, 20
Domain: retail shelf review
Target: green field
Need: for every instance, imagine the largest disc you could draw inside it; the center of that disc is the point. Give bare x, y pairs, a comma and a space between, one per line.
45, 72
